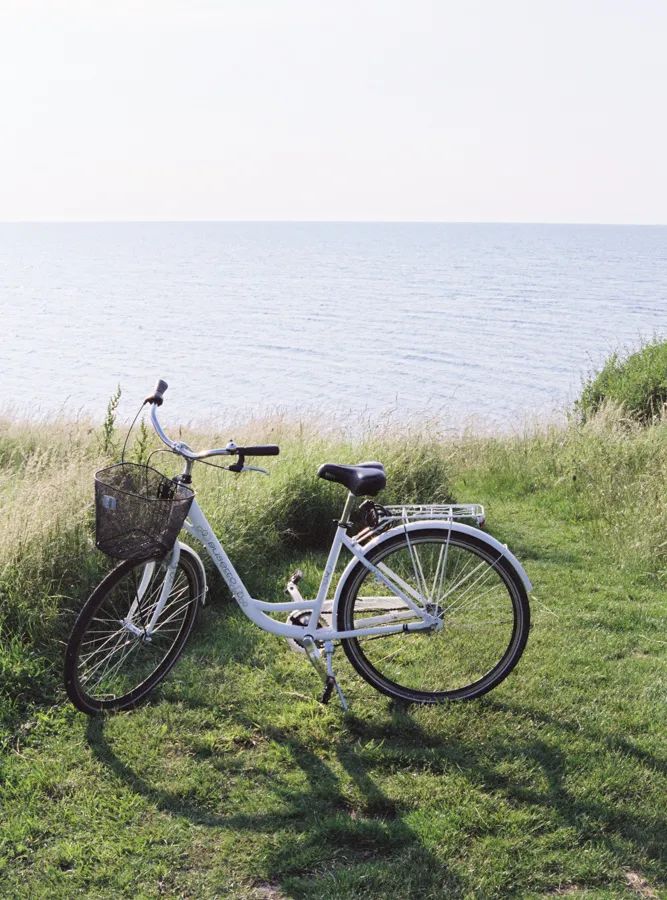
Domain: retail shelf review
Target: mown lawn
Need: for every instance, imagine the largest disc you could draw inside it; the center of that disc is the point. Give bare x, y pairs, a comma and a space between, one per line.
235, 782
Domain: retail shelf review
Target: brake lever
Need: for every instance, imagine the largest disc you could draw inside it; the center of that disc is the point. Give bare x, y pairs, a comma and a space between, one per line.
240, 466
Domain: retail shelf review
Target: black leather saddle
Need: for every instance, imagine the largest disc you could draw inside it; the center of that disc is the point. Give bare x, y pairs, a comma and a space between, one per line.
364, 479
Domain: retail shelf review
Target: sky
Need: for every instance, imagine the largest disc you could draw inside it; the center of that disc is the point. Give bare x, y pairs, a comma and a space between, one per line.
428, 110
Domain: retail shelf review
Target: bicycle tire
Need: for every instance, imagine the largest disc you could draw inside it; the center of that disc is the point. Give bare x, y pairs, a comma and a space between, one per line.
97, 632
439, 666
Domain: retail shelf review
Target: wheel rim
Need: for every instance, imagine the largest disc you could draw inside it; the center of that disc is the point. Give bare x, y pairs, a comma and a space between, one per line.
116, 655
467, 589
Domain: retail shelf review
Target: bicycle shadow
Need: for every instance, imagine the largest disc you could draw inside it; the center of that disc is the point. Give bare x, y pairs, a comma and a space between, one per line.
330, 825
358, 821
596, 820
612, 741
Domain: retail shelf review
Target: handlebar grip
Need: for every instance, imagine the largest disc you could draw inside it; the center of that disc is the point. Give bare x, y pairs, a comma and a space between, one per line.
157, 397
261, 450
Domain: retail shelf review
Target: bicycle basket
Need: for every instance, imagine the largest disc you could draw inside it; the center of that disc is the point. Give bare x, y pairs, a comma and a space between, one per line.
138, 511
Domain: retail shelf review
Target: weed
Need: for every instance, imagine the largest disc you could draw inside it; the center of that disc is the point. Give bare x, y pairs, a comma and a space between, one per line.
108, 442
142, 443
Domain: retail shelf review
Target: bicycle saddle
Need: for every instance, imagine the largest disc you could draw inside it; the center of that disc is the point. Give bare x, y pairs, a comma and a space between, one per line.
364, 479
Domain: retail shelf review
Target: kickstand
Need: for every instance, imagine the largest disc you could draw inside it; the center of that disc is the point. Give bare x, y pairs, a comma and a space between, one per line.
329, 685
325, 670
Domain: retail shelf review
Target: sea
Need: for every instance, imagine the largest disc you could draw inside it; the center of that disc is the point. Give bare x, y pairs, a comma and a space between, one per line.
470, 325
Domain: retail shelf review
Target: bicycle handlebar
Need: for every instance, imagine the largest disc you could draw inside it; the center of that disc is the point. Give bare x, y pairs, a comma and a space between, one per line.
157, 398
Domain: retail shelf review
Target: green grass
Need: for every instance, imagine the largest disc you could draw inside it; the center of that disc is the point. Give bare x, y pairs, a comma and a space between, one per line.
234, 782
636, 381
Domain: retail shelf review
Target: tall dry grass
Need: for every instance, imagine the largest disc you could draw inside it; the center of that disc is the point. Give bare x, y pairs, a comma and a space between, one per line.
609, 472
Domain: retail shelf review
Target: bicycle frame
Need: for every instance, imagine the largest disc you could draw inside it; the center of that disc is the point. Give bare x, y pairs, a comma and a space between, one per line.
258, 610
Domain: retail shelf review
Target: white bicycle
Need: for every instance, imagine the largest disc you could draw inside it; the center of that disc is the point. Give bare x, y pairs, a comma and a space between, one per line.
428, 609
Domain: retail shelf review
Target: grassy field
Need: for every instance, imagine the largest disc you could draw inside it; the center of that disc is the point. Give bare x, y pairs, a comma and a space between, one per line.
234, 782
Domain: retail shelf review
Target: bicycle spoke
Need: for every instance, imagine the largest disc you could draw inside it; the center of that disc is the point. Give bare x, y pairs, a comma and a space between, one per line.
110, 671
101, 638
482, 565
440, 571
165, 621
419, 575
120, 643
461, 600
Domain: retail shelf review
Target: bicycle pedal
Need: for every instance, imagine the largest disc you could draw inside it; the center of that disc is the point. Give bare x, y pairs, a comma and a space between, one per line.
295, 577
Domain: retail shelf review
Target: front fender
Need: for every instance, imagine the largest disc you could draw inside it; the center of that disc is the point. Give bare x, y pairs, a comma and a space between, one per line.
425, 525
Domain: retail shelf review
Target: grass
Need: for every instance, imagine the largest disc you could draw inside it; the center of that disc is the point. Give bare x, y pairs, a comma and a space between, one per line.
234, 782
637, 381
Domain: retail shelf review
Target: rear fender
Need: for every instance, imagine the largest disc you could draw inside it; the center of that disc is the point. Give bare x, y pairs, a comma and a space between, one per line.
411, 527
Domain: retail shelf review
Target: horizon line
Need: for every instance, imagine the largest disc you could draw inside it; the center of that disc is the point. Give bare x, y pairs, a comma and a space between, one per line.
188, 221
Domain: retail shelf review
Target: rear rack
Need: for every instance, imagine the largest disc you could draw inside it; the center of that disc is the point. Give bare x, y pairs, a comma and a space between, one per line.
413, 512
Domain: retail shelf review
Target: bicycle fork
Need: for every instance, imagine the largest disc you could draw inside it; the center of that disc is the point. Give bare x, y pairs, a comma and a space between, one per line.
146, 631
324, 668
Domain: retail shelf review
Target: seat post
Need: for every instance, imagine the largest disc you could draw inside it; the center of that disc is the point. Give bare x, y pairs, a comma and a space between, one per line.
347, 509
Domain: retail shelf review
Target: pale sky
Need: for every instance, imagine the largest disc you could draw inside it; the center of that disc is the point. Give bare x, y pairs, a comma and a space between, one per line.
457, 110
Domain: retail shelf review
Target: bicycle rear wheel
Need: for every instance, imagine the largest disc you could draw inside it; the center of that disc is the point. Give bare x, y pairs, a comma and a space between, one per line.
476, 594
113, 661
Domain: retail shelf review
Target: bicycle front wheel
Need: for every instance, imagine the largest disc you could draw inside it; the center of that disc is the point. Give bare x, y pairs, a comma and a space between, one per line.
475, 593
115, 657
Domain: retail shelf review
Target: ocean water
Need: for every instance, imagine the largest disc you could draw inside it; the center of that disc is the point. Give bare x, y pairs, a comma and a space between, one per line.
487, 324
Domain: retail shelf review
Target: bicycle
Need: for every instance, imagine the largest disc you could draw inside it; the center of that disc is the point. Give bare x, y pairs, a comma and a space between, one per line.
428, 609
